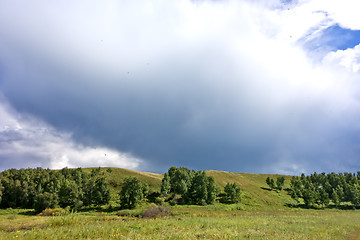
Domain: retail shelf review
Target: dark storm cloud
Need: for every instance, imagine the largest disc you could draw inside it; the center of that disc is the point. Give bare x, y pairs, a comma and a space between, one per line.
177, 84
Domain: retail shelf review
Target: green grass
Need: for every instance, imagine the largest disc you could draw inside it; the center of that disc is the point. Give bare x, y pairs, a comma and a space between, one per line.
254, 188
188, 222
117, 176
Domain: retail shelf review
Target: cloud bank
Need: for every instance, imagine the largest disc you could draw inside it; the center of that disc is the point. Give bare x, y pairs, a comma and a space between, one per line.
228, 85
28, 142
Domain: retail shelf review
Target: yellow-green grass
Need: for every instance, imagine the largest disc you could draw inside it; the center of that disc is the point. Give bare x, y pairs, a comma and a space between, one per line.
254, 187
188, 223
117, 176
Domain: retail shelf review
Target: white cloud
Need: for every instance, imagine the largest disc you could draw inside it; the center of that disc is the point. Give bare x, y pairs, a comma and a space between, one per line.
349, 59
26, 141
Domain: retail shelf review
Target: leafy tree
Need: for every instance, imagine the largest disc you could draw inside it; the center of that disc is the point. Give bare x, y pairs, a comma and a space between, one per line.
355, 195
70, 194
1, 190
194, 187
335, 198
233, 193
198, 191
212, 190
270, 182
180, 179
324, 197
165, 184
295, 188
280, 183
309, 197
45, 200
131, 193
101, 192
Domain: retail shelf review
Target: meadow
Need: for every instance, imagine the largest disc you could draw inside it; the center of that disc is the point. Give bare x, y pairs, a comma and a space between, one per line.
185, 222
261, 214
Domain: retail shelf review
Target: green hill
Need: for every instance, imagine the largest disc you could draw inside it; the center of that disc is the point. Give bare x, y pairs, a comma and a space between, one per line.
117, 175
254, 188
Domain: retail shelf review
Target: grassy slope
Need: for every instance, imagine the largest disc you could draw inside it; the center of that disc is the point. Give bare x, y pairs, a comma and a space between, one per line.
253, 185
117, 175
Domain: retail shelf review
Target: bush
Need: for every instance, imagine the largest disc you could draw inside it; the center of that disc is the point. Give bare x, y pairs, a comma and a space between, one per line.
45, 201
155, 211
55, 212
159, 200
129, 213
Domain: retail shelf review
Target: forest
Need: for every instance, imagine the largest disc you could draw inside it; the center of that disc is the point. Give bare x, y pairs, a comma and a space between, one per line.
42, 189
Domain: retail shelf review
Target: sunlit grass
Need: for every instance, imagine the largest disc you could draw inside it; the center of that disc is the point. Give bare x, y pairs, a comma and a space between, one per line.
192, 222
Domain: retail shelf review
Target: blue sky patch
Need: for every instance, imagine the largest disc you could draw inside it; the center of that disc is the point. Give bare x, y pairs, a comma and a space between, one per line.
334, 38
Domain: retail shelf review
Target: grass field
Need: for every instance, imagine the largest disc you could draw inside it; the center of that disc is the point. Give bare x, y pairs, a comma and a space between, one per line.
186, 222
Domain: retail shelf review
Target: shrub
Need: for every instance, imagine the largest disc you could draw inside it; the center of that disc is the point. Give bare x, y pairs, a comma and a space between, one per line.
155, 211
54, 212
159, 200
129, 213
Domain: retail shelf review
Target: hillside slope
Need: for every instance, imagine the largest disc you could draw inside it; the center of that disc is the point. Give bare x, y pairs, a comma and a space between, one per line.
117, 175
254, 188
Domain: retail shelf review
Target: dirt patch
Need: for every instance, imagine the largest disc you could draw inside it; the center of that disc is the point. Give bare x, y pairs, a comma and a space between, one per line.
355, 235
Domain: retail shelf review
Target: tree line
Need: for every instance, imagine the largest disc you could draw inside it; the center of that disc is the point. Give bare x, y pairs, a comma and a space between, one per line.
195, 187
319, 190
44, 188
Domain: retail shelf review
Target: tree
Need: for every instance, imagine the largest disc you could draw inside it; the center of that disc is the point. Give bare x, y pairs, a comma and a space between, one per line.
198, 191
324, 197
131, 193
335, 198
44, 201
309, 197
1, 190
280, 183
165, 184
212, 190
270, 182
295, 188
232, 192
70, 194
101, 192
194, 187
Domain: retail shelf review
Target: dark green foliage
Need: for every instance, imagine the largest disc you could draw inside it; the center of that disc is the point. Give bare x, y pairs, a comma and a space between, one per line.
165, 184
1, 190
70, 194
319, 190
45, 200
270, 182
39, 188
197, 193
280, 183
132, 193
335, 198
233, 193
194, 187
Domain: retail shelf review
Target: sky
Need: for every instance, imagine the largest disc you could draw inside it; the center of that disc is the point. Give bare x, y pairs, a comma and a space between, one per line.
258, 86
